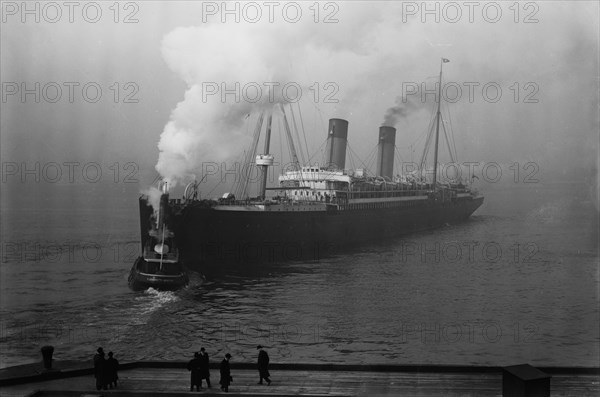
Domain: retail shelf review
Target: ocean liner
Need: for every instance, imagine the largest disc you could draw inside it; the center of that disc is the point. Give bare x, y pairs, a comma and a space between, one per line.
315, 210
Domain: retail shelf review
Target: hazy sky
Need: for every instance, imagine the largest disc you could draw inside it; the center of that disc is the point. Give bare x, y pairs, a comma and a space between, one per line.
543, 56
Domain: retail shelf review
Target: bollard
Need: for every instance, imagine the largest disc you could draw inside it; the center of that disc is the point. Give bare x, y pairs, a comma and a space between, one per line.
47, 352
525, 381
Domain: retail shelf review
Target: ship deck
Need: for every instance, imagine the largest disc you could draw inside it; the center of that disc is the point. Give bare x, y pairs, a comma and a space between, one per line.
172, 379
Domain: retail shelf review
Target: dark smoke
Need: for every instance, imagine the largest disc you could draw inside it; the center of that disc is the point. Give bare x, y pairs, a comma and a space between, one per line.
404, 107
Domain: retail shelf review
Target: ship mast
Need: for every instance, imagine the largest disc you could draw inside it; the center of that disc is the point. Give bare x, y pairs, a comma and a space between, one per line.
290, 139
437, 127
265, 160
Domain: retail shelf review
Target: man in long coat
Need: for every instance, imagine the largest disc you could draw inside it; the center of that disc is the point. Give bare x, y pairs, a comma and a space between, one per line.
112, 370
205, 367
194, 366
226, 378
100, 369
263, 366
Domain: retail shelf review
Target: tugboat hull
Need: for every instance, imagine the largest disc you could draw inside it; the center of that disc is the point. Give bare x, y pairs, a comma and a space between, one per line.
139, 280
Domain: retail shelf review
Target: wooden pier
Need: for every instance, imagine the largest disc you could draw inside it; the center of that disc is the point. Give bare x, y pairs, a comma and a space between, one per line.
172, 379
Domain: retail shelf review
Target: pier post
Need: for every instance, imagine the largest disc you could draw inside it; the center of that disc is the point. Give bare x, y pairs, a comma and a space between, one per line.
47, 352
524, 381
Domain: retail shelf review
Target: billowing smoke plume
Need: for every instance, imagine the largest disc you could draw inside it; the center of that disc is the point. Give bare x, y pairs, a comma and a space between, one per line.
370, 53
402, 109
153, 195
238, 57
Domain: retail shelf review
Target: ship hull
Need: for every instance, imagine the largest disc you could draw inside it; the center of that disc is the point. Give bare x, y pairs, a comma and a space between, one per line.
210, 238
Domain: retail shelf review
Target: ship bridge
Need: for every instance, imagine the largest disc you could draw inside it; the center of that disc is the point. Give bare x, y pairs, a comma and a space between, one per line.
314, 183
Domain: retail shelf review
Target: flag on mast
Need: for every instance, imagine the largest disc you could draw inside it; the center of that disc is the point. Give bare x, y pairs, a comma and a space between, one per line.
445, 60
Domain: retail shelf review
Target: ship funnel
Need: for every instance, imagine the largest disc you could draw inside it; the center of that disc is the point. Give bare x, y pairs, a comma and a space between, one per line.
337, 140
385, 151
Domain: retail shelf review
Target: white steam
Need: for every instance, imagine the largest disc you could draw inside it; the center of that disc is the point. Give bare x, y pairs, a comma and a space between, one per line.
153, 194
210, 129
369, 54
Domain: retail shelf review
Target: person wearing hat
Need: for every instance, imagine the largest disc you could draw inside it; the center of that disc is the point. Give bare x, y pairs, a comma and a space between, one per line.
112, 370
204, 367
100, 369
263, 366
226, 377
99, 352
194, 367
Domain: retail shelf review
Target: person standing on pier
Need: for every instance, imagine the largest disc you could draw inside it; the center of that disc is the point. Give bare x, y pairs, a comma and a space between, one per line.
100, 369
226, 377
112, 368
205, 367
194, 366
263, 366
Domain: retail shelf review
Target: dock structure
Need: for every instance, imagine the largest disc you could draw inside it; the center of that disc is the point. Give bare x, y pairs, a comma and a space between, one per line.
167, 379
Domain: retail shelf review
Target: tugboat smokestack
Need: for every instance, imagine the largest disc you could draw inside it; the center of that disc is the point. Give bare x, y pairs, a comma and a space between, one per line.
163, 207
385, 151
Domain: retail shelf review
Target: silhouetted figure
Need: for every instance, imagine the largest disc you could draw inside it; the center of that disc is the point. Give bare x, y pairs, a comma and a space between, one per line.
99, 352
226, 377
204, 367
263, 366
100, 369
112, 370
194, 366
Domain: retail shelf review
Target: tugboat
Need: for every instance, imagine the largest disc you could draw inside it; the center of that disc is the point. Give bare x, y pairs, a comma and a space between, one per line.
159, 267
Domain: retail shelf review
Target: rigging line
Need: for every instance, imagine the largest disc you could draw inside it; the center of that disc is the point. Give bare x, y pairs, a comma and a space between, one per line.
291, 147
298, 136
421, 135
398, 157
290, 139
317, 151
302, 125
444, 121
423, 165
426, 148
326, 126
236, 182
351, 158
365, 163
235, 186
350, 152
371, 158
452, 134
448, 142
451, 139
427, 129
280, 142
358, 158
242, 160
252, 154
216, 186
303, 130
290, 152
